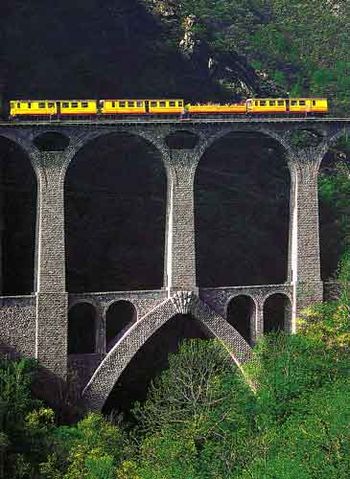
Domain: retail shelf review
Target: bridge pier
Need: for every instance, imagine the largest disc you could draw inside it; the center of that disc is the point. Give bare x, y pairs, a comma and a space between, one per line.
51, 295
304, 242
180, 257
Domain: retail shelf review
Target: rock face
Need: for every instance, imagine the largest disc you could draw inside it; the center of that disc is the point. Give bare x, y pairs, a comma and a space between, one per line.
230, 71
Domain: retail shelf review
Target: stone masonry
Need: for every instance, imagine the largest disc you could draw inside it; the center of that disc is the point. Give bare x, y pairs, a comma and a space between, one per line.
36, 325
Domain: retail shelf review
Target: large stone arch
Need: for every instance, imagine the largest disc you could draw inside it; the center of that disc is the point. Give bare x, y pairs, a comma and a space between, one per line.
117, 177
331, 232
107, 374
206, 219
18, 204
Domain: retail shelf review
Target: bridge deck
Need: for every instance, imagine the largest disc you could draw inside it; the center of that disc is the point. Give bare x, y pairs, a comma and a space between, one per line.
179, 121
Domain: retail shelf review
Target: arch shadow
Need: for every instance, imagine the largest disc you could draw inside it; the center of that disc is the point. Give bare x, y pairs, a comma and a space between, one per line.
277, 313
81, 328
113, 186
119, 317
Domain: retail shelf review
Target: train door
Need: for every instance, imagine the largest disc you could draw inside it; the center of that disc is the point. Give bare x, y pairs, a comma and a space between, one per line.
58, 105
287, 106
249, 106
147, 106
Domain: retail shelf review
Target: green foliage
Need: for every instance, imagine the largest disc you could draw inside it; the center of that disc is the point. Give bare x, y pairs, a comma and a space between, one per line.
89, 450
20, 439
202, 382
302, 46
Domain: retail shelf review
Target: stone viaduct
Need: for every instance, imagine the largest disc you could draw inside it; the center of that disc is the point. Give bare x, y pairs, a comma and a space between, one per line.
36, 325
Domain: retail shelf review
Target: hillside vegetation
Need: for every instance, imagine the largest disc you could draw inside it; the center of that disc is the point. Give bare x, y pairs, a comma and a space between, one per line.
201, 420
300, 48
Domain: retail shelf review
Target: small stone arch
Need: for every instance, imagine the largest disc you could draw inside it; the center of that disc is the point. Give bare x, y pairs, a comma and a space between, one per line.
111, 368
82, 328
120, 315
51, 141
241, 314
277, 313
182, 139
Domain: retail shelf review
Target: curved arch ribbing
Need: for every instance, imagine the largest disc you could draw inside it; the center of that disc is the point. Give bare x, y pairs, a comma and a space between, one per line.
109, 371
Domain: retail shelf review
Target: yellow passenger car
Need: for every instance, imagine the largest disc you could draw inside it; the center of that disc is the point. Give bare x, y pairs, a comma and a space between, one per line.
120, 107
32, 108
233, 108
266, 105
308, 105
77, 107
175, 106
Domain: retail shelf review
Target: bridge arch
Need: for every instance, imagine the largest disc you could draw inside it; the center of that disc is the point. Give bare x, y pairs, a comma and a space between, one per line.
18, 200
82, 328
277, 313
111, 368
114, 184
241, 314
237, 217
332, 165
120, 315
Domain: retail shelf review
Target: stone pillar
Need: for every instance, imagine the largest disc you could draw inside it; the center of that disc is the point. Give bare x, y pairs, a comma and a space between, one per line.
180, 261
304, 248
100, 322
257, 330
51, 308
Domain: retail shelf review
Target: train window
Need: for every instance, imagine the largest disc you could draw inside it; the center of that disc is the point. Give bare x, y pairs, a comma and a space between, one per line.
272, 103
256, 103
139, 104
262, 102
172, 103
153, 103
122, 104
302, 102
51, 104
41, 104
84, 104
131, 104
65, 104
293, 102
74, 104
180, 103
162, 104
280, 102
113, 104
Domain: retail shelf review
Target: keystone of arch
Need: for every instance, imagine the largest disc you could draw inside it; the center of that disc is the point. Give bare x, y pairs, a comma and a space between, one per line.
109, 371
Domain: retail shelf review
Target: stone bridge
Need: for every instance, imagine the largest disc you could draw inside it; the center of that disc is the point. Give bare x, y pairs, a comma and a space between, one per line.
36, 325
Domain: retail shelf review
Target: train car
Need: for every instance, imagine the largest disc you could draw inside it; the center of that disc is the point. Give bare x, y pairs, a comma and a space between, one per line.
30, 108
165, 107
216, 108
308, 105
295, 106
266, 105
76, 107
122, 107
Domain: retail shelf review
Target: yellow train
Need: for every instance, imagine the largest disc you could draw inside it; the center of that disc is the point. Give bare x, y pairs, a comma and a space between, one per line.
114, 107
